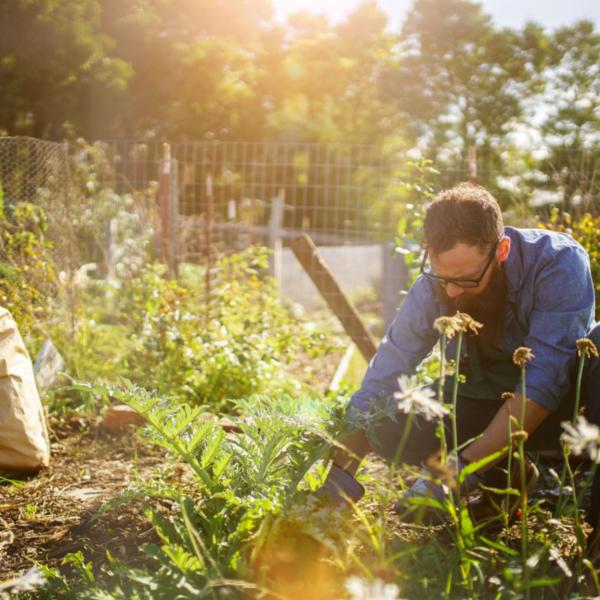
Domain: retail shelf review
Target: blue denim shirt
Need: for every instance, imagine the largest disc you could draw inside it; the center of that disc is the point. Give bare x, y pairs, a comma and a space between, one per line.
549, 285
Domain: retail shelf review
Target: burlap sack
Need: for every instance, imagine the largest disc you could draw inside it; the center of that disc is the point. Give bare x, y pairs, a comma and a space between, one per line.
24, 444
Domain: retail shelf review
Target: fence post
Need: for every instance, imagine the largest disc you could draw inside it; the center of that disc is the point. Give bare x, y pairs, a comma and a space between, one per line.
472, 163
174, 220
208, 218
394, 279
275, 223
165, 176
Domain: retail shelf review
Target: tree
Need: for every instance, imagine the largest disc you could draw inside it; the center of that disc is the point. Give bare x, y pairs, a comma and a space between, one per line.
460, 82
194, 66
331, 76
54, 56
571, 129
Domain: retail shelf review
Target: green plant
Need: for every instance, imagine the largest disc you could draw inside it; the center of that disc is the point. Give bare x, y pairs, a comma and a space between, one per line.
586, 230
168, 338
244, 483
27, 269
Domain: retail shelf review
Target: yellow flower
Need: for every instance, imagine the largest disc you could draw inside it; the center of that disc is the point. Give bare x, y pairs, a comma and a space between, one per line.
587, 347
522, 355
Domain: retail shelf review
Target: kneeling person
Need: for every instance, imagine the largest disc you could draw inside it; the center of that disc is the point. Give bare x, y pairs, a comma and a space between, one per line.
528, 287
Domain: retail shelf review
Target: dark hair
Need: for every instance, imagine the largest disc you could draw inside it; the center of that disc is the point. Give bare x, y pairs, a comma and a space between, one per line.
466, 213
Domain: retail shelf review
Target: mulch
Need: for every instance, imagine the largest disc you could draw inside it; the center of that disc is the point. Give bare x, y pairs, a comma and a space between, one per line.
83, 501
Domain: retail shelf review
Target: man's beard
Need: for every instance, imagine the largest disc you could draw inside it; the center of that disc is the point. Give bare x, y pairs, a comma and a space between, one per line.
488, 307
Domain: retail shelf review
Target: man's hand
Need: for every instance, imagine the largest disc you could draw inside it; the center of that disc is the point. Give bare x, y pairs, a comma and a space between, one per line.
495, 436
425, 486
340, 488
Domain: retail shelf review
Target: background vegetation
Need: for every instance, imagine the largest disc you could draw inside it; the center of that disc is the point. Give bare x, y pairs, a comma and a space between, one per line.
202, 70
239, 519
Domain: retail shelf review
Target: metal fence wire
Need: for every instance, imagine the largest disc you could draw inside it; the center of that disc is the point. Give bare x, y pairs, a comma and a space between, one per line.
327, 189
38, 172
204, 199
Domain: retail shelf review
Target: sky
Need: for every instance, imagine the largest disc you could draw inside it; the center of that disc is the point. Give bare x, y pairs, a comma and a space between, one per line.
505, 13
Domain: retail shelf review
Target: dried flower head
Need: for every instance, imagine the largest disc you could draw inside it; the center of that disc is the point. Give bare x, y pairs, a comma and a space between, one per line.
467, 323
587, 347
519, 435
420, 401
522, 355
446, 471
506, 396
582, 437
446, 326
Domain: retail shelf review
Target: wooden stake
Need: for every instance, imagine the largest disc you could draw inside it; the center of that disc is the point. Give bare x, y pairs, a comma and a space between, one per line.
208, 219
318, 271
165, 178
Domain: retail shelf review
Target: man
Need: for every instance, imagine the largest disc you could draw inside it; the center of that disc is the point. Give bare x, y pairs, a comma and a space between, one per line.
528, 287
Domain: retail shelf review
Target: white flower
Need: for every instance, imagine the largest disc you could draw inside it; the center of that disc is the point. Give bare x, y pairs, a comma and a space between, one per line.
27, 582
583, 437
420, 401
360, 589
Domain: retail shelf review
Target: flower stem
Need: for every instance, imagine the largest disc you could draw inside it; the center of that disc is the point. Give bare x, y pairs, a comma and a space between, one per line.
560, 504
522, 468
455, 391
440, 397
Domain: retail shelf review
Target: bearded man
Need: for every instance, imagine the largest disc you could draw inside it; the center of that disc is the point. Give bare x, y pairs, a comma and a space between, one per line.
528, 287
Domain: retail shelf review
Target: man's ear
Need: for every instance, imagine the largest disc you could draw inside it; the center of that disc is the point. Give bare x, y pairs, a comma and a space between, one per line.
503, 249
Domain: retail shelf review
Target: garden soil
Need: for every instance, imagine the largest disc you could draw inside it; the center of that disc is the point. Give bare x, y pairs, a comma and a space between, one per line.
63, 509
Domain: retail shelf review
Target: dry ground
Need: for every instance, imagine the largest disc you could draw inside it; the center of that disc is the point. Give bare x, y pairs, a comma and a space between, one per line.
63, 509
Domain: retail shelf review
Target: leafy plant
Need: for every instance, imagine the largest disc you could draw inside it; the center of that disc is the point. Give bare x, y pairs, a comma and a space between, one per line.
27, 270
586, 230
168, 338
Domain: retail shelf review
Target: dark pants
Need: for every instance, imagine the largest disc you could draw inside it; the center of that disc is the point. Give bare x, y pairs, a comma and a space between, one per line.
473, 416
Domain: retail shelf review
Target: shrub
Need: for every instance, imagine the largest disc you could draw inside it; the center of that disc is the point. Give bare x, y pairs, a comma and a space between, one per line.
27, 270
586, 231
166, 337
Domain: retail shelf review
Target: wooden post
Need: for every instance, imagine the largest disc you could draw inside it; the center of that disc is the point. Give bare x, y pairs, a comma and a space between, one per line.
173, 220
275, 223
111, 241
318, 271
165, 176
208, 219
472, 160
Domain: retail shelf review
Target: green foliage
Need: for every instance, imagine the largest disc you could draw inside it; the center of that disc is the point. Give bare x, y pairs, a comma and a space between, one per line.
586, 230
27, 270
461, 82
243, 484
572, 128
165, 337
248, 524
55, 59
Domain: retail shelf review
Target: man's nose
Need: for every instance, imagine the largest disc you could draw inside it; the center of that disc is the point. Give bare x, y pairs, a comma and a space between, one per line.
453, 290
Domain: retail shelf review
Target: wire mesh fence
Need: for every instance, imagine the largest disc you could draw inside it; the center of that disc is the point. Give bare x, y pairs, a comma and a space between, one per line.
37, 172
194, 201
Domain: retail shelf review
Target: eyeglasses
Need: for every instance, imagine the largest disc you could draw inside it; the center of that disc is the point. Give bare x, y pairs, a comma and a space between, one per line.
461, 283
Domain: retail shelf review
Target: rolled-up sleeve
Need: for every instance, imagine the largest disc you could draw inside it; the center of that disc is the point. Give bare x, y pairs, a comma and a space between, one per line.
563, 311
408, 340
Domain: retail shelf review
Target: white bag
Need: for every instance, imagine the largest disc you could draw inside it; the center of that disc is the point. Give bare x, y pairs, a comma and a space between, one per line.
24, 443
